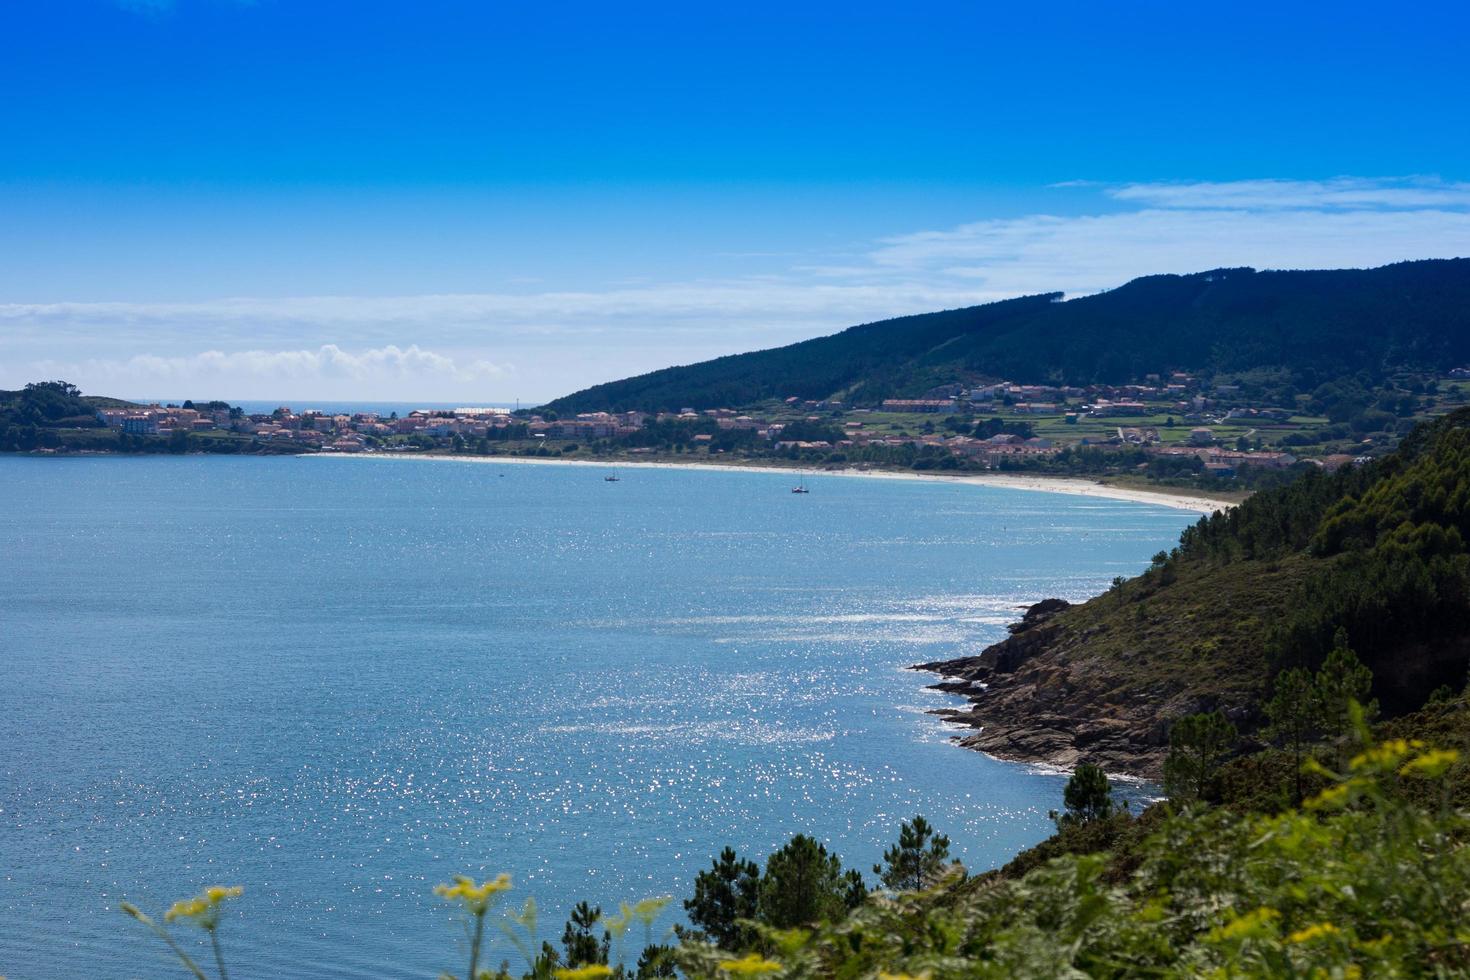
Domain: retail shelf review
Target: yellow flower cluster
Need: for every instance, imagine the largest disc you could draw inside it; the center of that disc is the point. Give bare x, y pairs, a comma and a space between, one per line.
1252, 925
903, 976
1386, 755
752, 965
475, 898
648, 909
1431, 764
1310, 933
203, 909
1332, 797
592, 971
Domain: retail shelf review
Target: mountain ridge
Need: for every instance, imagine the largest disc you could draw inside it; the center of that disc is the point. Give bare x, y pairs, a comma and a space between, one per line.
1309, 325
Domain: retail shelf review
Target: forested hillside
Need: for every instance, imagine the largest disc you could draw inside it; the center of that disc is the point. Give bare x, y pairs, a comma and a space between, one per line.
1374, 557
1309, 327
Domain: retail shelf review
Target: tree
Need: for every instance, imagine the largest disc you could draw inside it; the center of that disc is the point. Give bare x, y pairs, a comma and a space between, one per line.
724, 896
1343, 680
1088, 795
1293, 714
804, 885
656, 961
580, 942
916, 861
1197, 745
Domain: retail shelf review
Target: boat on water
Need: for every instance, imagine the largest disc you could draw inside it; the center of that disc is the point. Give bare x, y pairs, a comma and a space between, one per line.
800, 486
612, 477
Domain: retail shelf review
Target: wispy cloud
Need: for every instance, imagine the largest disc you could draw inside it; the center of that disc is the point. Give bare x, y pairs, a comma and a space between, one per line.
1088, 253
459, 345
551, 312
1341, 193
325, 369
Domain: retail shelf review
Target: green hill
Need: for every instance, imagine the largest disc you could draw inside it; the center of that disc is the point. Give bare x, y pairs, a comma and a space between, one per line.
1309, 327
1377, 551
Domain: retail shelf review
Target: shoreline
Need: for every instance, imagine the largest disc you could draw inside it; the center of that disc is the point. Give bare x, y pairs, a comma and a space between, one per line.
1197, 502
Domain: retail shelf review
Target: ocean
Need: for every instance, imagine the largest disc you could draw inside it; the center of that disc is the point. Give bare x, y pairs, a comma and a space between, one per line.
339, 681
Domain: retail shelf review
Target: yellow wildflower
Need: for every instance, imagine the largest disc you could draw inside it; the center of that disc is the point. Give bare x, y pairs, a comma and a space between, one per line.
903, 976
1385, 755
1431, 764
751, 965
618, 924
591, 971
648, 909
202, 909
475, 898
1251, 925
1332, 796
1313, 932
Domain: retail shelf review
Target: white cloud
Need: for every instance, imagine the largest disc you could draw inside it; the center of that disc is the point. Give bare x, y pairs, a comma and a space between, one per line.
1088, 253
440, 347
1353, 193
326, 369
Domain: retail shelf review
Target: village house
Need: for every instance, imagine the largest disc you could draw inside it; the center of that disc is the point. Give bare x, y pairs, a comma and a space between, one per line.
1105, 408
929, 405
1145, 436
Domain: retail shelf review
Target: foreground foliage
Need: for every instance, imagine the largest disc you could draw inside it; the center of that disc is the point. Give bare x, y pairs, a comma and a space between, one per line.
1361, 881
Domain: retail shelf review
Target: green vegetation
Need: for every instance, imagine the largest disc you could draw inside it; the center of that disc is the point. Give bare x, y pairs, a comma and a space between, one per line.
30, 417
1384, 565
1198, 744
1333, 334
917, 861
1275, 613
801, 883
1088, 796
1363, 881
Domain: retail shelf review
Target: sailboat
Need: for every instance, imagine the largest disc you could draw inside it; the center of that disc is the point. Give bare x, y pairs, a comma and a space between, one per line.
800, 486
612, 477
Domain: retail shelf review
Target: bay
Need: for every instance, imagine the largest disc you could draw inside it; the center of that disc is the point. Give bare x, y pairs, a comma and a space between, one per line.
340, 681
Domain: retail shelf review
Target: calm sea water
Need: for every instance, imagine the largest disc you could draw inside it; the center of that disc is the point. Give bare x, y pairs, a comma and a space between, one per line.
339, 681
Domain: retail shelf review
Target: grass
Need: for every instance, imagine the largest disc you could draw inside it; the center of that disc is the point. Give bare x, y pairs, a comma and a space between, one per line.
1198, 639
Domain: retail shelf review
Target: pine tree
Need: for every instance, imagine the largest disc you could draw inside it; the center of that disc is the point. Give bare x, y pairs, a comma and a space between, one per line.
803, 885
1088, 795
1197, 745
1343, 680
1294, 712
723, 897
580, 942
916, 861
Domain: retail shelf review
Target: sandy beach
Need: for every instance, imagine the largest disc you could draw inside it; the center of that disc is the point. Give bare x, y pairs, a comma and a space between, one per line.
1183, 500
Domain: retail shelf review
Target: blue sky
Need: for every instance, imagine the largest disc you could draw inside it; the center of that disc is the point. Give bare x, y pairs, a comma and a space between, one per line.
288, 198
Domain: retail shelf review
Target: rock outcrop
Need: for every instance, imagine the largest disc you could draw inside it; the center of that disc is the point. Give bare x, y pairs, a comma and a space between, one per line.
1037, 697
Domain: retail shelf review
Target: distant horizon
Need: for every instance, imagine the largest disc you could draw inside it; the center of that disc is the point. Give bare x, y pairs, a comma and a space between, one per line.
347, 397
